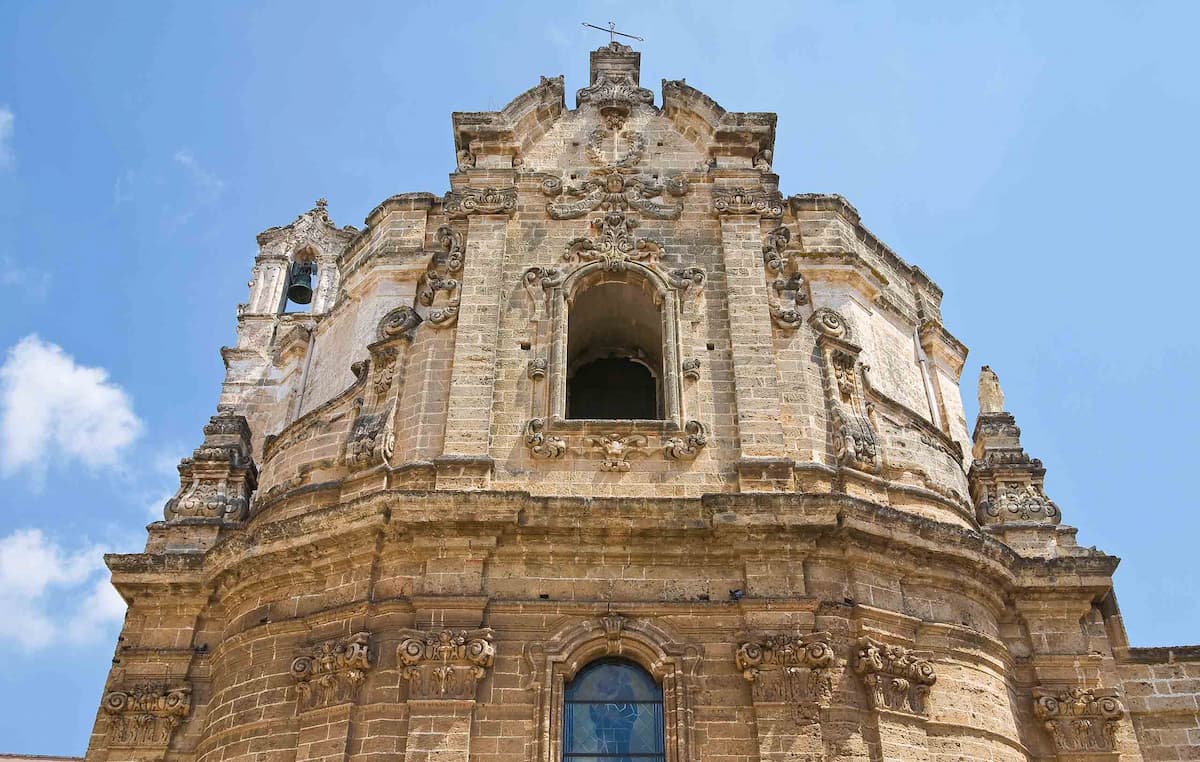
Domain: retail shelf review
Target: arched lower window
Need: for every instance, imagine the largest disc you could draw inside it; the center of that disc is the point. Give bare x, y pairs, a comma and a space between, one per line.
615, 351
613, 712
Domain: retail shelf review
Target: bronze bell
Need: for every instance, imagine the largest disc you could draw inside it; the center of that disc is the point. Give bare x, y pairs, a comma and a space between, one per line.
300, 283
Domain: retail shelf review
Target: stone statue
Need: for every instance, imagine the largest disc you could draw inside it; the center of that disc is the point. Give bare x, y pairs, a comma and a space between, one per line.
991, 396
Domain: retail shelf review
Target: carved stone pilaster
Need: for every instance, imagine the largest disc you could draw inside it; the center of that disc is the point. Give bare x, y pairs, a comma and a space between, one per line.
331, 672
217, 480
854, 442
1006, 484
146, 714
760, 201
445, 664
894, 676
468, 201
1080, 721
788, 668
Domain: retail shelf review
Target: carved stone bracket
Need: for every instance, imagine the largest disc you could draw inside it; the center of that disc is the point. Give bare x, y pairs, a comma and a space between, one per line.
787, 668
1080, 721
331, 672
446, 664
691, 368
758, 201
854, 441
440, 289
372, 438
468, 201
536, 369
689, 445
217, 481
146, 714
786, 283
894, 676
541, 445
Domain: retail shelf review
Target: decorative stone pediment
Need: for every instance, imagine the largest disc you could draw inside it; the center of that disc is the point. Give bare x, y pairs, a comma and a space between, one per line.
146, 714
894, 676
445, 664
216, 482
331, 672
1080, 721
788, 668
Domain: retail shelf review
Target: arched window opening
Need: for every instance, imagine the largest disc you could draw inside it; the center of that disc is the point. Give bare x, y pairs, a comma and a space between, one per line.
615, 352
613, 712
302, 281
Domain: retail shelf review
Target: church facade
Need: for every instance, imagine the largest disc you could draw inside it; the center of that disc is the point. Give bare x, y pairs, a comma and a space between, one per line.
612, 452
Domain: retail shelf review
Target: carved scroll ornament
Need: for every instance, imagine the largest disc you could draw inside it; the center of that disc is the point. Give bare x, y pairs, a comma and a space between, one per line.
481, 201
445, 664
217, 480
1079, 720
747, 201
146, 714
894, 676
331, 672
788, 668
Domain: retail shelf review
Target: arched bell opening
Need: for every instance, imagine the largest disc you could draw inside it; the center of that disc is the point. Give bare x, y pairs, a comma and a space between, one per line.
301, 282
615, 350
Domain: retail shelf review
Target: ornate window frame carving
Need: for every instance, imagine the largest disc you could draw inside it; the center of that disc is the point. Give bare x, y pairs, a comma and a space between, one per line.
672, 663
548, 431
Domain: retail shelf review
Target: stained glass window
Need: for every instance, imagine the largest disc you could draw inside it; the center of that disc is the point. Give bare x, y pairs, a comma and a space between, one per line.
613, 712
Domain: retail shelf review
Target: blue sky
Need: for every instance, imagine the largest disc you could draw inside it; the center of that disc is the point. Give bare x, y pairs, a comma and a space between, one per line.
1038, 160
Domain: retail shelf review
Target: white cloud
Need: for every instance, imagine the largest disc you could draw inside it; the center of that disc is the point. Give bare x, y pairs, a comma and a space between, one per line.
28, 282
36, 574
209, 185
7, 119
53, 408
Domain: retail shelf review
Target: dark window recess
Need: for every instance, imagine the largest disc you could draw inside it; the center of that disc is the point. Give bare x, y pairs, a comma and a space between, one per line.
612, 389
613, 712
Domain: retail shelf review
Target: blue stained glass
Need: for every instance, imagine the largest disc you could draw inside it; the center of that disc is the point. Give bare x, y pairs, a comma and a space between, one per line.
613, 713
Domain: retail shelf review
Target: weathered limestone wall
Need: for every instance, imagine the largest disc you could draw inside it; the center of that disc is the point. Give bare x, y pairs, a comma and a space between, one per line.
1162, 693
392, 543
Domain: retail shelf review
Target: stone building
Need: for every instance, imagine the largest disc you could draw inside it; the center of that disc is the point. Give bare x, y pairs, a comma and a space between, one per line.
612, 452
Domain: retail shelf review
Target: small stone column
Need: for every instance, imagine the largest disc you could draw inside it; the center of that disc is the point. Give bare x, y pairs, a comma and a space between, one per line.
328, 677
763, 465
789, 684
443, 669
897, 684
465, 462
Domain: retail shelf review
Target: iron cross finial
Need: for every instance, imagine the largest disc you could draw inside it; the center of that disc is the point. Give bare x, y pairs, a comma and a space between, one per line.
612, 32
